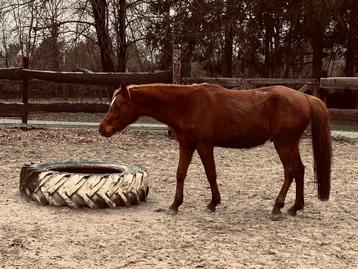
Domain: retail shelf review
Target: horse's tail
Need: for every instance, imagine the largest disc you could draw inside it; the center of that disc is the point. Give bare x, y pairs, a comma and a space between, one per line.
322, 146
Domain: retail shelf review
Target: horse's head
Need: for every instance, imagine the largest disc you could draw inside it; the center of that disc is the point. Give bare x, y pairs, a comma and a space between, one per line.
120, 114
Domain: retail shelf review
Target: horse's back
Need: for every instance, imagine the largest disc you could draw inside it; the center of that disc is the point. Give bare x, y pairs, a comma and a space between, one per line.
248, 118
243, 118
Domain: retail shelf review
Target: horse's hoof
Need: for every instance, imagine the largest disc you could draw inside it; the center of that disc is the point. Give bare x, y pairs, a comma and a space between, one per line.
276, 216
292, 212
159, 210
211, 208
173, 210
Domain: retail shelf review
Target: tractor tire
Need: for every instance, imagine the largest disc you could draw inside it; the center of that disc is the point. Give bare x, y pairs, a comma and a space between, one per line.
93, 184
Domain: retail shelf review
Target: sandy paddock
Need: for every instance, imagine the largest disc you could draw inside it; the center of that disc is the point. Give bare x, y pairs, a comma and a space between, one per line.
239, 235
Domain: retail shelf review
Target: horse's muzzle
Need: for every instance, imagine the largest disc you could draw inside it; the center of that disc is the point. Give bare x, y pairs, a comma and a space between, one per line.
104, 132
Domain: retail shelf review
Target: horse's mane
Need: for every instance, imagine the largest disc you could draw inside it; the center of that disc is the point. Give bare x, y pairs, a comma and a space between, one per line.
151, 85
169, 87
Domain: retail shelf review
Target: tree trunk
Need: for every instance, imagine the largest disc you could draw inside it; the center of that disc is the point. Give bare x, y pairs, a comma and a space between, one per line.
316, 20
165, 62
352, 42
166, 55
277, 63
99, 8
6, 56
349, 68
317, 46
228, 38
55, 49
121, 36
227, 64
267, 53
186, 59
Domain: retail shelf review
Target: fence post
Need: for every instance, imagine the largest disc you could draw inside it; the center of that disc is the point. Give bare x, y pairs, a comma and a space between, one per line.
316, 89
176, 65
176, 75
25, 91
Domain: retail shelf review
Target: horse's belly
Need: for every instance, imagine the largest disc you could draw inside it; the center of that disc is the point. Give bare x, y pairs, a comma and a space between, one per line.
242, 141
241, 144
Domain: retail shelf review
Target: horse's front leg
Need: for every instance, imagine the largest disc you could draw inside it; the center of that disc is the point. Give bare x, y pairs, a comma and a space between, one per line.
206, 154
186, 154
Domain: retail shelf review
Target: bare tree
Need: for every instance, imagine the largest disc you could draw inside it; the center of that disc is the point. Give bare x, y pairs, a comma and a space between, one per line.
49, 15
100, 14
229, 25
120, 11
25, 20
4, 36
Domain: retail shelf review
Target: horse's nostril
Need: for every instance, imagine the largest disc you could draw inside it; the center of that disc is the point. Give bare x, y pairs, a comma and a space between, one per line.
101, 130
105, 131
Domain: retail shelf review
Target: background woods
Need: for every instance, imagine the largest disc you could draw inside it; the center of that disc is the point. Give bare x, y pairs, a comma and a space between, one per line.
256, 38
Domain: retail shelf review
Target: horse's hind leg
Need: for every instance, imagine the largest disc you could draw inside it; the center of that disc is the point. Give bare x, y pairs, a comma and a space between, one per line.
206, 154
290, 158
299, 179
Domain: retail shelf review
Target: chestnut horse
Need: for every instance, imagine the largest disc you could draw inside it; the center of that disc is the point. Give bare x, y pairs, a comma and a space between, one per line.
204, 116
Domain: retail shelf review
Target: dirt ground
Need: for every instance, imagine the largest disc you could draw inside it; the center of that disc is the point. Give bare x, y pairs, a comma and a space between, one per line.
239, 235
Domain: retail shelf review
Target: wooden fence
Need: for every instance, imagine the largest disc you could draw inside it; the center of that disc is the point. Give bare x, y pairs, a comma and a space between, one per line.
115, 79
339, 83
93, 78
313, 86
243, 83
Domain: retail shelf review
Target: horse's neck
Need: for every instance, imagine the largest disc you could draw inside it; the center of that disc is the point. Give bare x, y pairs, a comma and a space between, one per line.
157, 103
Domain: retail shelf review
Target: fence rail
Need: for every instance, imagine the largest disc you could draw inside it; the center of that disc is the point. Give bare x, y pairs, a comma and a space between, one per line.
250, 82
344, 114
93, 78
19, 109
339, 83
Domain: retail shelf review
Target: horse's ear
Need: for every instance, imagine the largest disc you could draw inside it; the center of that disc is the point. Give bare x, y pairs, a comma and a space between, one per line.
124, 91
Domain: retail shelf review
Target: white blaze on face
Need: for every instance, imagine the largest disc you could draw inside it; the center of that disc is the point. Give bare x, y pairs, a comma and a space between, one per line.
114, 99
